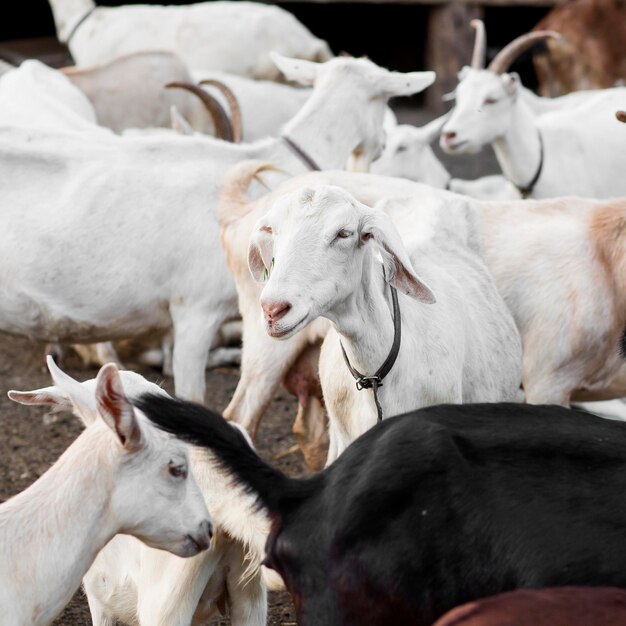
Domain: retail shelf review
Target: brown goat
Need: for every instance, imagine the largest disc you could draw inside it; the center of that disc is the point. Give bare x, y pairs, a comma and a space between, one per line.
558, 606
591, 53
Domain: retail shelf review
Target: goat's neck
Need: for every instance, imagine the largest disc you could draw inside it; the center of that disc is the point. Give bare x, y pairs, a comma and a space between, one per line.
519, 150
327, 135
365, 320
66, 14
51, 533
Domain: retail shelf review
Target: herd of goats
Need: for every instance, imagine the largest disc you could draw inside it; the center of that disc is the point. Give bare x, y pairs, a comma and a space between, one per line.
478, 309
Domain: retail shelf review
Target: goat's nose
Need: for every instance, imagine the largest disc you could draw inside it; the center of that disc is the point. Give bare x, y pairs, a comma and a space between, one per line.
274, 311
205, 533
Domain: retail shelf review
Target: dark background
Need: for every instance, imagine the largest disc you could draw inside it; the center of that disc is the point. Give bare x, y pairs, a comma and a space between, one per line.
391, 35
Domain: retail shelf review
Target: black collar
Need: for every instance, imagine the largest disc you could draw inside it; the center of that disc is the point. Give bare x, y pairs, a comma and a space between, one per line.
526, 190
376, 381
79, 24
301, 154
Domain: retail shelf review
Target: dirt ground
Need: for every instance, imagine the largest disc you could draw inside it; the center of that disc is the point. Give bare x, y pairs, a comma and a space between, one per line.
29, 444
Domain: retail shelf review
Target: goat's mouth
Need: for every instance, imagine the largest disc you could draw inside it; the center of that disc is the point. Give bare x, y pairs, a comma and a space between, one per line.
453, 146
284, 333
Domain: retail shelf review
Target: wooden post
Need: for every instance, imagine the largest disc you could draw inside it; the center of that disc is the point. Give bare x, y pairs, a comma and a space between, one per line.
448, 47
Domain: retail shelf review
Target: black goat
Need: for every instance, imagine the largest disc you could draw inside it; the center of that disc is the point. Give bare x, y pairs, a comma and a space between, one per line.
434, 508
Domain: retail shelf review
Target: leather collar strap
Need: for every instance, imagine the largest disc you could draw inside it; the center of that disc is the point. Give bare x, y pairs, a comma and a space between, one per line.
526, 190
376, 381
301, 154
79, 24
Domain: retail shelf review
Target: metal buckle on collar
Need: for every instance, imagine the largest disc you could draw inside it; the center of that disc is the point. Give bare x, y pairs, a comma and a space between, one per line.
367, 382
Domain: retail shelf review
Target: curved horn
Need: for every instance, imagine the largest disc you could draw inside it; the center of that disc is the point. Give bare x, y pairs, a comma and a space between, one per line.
479, 56
223, 129
235, 109
621, 116
504, 59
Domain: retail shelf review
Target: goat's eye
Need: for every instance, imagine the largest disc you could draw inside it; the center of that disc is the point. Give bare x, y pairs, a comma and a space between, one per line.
177, 471
490, 101
343, 234
401, 148
366, 236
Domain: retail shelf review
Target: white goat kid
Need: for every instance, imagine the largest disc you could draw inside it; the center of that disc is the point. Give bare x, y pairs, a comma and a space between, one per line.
138, 585
573, 150
104, 198
320, 246
233, 37
120, 476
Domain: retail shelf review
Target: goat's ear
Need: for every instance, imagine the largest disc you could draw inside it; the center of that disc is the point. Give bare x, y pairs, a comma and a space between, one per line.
399, 271
79, 396
512, 82
46, 395
115, 408
297, 70
398, 84
179, 123
429, 132
260, 254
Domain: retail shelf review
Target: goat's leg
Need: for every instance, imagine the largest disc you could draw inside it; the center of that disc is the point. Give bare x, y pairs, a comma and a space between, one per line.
193, 334
263, 364
171, 588
247, 593
98, 617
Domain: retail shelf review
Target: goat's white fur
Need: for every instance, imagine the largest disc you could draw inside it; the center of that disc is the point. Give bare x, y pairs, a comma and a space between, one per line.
101, 198
138, 585
113, 479
464, 347
581, 147
233, 37
570, 347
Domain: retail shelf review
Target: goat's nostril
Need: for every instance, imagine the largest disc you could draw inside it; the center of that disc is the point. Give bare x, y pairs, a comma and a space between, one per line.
273, 311
449, 136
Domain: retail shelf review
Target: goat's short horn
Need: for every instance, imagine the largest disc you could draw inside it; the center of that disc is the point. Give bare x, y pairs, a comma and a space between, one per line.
223, 128
504, 59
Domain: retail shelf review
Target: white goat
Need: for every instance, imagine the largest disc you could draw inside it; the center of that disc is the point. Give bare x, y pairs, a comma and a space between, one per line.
560, 265
568, 151
138, 585
129, 92
233, 37
120, 476
320, 248
103, 198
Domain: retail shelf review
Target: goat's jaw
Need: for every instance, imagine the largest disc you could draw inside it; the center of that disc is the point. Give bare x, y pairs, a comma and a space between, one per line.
280, 332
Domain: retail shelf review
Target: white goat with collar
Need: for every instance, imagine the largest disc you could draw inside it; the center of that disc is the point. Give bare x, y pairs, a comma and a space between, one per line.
106, 197
580, 151
120, 476
321, 248
138, 585
234, 37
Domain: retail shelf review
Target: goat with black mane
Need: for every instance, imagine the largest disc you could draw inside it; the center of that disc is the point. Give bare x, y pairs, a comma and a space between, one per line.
435, 508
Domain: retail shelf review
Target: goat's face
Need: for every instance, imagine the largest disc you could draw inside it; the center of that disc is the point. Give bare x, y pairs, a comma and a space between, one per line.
357, 88
408, 154
312, 248
152, 493
483, 111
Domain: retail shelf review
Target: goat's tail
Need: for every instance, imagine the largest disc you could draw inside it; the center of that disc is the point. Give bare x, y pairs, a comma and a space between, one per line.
234, 202
201, 427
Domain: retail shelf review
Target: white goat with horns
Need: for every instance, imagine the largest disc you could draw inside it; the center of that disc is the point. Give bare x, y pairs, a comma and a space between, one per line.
571, 151
233, 37
120, 476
